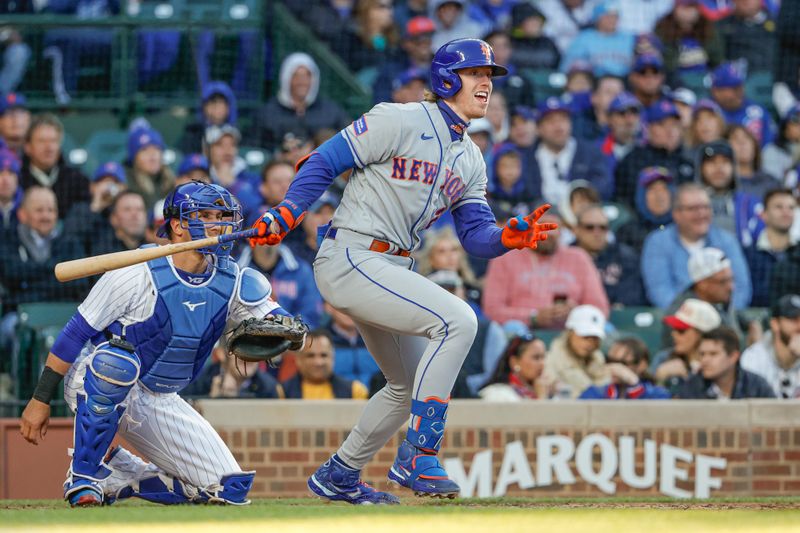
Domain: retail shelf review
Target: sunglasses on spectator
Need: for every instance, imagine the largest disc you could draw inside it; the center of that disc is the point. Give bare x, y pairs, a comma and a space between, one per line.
595, 227
649, 72
695, 207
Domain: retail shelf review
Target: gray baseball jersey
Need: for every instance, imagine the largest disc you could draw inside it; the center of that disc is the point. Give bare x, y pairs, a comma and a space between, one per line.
408, 173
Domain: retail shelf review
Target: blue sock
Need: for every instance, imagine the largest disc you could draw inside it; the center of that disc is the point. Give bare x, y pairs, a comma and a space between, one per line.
341, 462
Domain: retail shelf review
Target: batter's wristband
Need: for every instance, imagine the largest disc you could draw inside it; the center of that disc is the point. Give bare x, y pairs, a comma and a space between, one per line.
47, 386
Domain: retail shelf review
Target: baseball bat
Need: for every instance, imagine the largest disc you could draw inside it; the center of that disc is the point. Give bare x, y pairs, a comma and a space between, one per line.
99, 264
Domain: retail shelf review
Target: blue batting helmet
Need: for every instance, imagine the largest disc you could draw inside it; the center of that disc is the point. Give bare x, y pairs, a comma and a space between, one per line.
459, 54
187, 201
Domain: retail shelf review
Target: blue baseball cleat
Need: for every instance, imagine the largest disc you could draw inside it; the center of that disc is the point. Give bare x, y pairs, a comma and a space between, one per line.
335, 482
83, 493
422, 473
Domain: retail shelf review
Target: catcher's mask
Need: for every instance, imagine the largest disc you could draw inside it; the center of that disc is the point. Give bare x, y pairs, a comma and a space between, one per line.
187, 202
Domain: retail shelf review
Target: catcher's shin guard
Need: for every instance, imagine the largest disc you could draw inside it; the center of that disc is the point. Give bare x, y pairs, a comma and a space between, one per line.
109, 377
159, 488
416, 466
232, 489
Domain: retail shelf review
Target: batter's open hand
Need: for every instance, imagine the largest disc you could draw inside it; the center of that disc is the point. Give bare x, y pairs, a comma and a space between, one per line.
527, 232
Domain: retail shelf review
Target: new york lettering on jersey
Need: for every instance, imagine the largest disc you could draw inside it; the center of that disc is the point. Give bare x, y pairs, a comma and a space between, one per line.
409, 168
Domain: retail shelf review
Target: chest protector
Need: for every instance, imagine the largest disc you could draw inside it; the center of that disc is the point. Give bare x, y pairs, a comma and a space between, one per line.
175, 341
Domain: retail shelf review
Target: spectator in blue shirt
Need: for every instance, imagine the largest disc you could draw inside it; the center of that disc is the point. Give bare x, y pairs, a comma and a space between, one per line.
217, 107
727, 89
609, 50
626, 364
353, 360
291, 278
665, 256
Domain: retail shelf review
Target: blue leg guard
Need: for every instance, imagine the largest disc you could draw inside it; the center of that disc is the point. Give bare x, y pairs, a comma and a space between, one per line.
232, 489
109, 377
161, 489
416, 466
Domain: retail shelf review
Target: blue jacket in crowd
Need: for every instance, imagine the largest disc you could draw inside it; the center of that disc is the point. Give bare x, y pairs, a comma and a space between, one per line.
352, 359
643, 391
665, 266
588, 164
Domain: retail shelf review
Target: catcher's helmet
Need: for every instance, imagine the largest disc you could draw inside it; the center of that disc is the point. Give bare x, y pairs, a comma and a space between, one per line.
187, 201
459, 54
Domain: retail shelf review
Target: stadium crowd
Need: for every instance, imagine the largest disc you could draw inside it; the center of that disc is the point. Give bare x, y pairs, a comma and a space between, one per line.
674, 199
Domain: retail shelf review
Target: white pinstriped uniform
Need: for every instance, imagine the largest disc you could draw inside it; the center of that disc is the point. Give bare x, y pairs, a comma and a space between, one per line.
165, 429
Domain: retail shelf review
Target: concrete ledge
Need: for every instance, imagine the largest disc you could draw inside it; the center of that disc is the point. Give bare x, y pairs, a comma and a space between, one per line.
343, 414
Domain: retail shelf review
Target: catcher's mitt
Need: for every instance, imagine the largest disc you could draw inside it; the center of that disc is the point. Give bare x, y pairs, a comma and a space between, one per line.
261, 339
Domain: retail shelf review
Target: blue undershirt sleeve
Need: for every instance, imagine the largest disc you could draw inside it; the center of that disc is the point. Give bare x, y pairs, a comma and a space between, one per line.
72, 338
280, 311
477, 230
318, 171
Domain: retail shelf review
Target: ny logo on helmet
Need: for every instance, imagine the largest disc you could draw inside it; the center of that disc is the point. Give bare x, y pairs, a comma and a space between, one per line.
487, 52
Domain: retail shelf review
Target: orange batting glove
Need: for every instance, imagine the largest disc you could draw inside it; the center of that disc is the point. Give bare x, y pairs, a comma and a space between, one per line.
276, 223
526, 232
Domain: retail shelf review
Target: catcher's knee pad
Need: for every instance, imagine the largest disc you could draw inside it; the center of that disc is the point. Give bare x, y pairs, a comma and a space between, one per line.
232, 489
112, 372
427, 430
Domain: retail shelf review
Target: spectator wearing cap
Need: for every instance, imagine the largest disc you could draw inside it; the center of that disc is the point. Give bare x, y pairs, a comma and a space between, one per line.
531, 47
750, 179
561, 158
44, 164
733, 211
675, 363
691, 42
663, 148
370, 38
194, 167
145, 170
771, 246
654, 193
518, 372
453, 22
608, 49
779, 156
748, 33
666, 252
564, 19
720, 376
566, 277
409, 86
684, 100
626, 366
776, 357
591, 122
712, 281
217, 107
291, 278
10, 191
574, 361
297, 107
415, 53
617, 263
646, 79
227, 168
89, 221
319, 214
624, 128
707, 125
517, 89
15, 120
727, 89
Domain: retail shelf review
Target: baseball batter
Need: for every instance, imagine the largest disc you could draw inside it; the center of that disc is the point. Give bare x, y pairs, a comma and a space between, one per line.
142, 335
412, 162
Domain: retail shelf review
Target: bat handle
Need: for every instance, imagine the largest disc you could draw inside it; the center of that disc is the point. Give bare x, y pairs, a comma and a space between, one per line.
246, 234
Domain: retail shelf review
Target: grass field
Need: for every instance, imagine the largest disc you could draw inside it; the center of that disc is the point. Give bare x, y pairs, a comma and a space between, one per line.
507, 515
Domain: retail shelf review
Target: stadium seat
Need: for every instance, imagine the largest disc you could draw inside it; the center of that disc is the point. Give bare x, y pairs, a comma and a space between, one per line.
697, 82
758, 87
644, 322
255, 157
545, 82
547, 335
105, 145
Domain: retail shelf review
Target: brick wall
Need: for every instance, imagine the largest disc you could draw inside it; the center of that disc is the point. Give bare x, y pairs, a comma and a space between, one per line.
760, 461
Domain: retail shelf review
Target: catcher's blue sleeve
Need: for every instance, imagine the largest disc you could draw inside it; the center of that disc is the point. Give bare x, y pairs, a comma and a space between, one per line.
280, 311
72, 338
478, 231
318, 171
